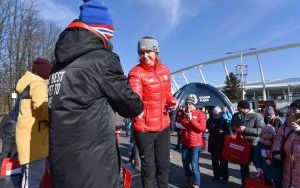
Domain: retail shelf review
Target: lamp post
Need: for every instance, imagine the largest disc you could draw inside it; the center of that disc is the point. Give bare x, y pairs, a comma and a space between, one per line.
241, 69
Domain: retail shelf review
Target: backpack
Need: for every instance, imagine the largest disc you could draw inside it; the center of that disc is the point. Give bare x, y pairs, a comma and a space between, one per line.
10, 126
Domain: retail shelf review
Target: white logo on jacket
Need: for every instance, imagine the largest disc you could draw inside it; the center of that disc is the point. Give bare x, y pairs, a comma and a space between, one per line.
165, 77
54, 84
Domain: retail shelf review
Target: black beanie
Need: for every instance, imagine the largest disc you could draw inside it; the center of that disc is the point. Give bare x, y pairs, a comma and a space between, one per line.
295, 104
244, 104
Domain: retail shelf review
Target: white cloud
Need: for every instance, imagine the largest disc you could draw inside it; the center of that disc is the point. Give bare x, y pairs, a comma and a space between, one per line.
174, 12
50, 10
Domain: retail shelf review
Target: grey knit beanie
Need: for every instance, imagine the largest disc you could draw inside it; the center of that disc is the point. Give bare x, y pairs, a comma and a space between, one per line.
148, 44
267, 129
192, 98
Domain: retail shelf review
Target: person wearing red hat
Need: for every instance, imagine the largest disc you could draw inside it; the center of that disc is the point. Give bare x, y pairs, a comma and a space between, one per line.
87, 86
32, 128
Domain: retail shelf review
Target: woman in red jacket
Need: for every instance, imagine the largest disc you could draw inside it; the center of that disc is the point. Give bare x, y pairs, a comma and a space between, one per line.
150, 79
194, 123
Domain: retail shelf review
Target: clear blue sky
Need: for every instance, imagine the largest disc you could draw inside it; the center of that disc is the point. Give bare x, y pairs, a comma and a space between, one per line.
194, 31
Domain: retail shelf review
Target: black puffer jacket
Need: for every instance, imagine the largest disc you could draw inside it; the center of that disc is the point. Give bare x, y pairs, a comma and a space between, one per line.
86, 86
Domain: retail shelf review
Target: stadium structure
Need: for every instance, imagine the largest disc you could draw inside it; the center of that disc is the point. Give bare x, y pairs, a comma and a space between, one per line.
280, 90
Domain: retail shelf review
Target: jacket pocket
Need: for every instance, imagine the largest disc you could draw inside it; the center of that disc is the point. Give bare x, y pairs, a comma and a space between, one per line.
43, 131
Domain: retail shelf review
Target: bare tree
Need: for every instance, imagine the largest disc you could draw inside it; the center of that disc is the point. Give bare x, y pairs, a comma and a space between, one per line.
23, 37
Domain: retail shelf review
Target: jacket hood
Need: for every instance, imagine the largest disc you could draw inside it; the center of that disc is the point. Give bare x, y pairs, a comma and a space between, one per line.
74, 43
27, 80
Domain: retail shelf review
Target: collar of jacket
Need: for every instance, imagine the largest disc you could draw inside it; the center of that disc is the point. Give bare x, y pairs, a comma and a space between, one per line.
150, 68
79, 24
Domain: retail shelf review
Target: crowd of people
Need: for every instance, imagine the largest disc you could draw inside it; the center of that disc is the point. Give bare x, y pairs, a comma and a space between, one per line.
67, 112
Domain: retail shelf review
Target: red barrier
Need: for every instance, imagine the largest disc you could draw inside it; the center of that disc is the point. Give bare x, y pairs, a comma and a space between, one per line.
10, 166
126, 177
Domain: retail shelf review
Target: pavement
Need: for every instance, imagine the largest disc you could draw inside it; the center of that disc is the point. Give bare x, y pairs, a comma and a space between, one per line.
176, 172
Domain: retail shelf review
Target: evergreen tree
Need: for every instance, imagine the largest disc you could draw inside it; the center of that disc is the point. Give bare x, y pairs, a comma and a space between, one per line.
232, 88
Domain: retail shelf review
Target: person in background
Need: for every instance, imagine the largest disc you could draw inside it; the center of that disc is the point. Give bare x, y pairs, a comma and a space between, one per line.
194, 122
218, 128
150, 79
8, 128
134, 158
287, 146
86, 88
226, 114
3, 120
119, 123
248, 123
32, 129
267, 168
271, 119
178, 128
127, 126
4, 117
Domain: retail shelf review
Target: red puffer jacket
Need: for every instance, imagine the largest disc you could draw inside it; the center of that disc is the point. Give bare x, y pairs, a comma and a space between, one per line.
152, 84
192, 134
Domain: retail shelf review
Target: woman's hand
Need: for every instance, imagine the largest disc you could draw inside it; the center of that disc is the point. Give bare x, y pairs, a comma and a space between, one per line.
173, 104
294, 126
141, 115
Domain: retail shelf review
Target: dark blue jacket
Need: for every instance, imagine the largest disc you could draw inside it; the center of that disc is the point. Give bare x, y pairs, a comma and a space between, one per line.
273, 171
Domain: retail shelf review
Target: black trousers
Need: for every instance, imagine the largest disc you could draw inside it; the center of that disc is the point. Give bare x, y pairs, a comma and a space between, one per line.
220, 166
154, 150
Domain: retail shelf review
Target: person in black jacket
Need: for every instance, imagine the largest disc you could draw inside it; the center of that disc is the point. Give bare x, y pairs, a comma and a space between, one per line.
249, 124
218, 128
86, 87
8, 129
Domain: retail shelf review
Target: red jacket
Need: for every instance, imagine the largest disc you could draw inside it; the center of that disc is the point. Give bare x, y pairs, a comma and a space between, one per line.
192, 134
152, 84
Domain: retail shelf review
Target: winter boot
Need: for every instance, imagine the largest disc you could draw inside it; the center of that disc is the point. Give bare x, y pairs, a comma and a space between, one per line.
189, 182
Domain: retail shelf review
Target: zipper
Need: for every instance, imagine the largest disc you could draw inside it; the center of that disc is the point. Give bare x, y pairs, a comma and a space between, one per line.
161, 98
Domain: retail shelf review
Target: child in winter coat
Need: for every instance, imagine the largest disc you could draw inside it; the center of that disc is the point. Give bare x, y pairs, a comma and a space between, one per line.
266, 166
